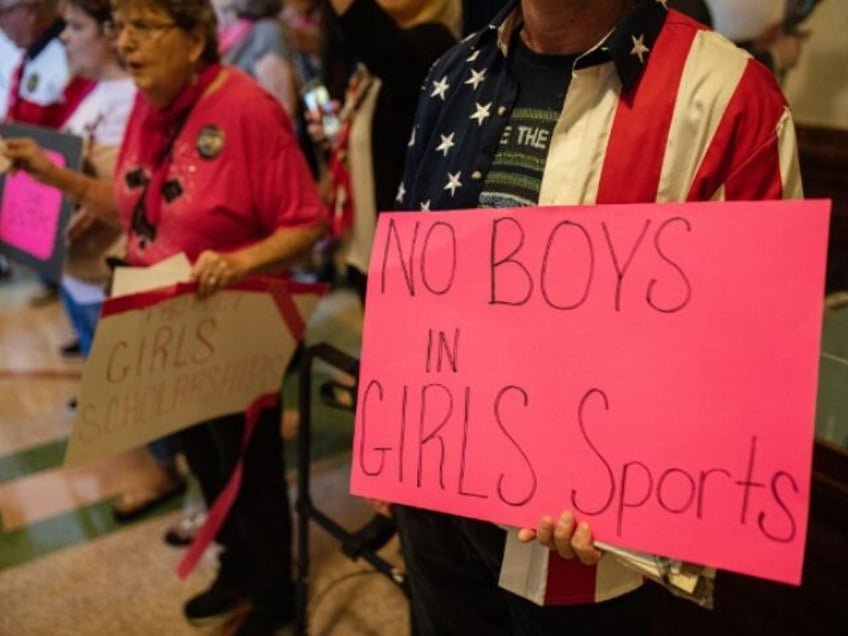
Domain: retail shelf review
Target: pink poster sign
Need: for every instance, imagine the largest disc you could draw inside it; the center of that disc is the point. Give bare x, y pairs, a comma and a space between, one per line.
30, 213
651, 367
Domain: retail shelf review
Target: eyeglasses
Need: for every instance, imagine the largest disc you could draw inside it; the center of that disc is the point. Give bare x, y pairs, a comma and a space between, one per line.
7, 11
136, 29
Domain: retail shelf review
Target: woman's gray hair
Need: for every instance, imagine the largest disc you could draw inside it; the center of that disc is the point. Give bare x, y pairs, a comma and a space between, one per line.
188, 15
257, 9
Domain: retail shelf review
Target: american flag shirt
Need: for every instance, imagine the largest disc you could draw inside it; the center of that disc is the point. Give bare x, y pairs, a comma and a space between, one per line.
660, 110
674, 112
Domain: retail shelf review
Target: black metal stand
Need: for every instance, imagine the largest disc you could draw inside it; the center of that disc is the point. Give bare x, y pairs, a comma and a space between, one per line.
306, 509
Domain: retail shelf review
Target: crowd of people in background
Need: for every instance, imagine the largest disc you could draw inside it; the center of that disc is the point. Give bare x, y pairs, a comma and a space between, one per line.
197, 140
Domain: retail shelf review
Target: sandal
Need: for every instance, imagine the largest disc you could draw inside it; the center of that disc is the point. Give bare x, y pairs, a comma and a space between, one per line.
135, 503
184, 532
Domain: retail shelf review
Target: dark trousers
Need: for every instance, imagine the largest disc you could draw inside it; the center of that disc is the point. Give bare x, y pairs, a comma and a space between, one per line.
257, 535
453, 566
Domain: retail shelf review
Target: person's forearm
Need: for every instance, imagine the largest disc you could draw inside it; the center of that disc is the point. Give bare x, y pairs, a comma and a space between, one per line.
279, 250
97, 195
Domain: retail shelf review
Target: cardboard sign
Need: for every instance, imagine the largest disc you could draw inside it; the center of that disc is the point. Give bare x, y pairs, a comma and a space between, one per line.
33, 216
165, 360
652, 368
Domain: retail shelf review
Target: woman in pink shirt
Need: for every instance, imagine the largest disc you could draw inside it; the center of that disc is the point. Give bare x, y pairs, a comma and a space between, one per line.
210, 167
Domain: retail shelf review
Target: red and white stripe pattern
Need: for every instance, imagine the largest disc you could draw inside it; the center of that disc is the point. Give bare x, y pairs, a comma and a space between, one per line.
705, 122
37, 88
533, 572
683, 115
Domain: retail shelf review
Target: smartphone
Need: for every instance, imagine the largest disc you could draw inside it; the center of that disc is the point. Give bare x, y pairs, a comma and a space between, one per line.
316, 98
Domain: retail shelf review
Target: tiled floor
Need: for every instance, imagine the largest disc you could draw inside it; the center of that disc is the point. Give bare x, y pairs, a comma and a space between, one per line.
66, 567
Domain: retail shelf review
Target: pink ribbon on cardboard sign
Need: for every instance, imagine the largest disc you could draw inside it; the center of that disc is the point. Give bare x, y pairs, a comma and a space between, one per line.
223, 504
281, 291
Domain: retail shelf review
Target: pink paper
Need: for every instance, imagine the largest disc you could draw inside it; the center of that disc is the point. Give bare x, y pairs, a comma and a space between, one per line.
651, 367
30, 212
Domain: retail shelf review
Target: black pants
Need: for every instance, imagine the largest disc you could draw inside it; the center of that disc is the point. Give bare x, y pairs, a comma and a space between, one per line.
454, 564
257, 535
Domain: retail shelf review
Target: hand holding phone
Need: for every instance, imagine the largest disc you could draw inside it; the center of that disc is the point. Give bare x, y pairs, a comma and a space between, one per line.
317, 100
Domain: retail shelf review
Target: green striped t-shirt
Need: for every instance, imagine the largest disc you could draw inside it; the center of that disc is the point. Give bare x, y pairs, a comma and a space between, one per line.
515, 176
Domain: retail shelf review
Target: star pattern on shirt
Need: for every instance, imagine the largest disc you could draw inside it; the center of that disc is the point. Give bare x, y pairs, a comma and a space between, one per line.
401, 193
453, 182
639, 49
447, 168
481, 113
411, 139
440, 88
447, 144
425, 206
476, 78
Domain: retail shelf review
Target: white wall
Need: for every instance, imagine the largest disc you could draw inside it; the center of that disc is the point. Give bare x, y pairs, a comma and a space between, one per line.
817, 88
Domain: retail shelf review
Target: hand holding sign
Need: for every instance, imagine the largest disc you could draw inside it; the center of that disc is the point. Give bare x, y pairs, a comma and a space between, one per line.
33, 214
26, 155
214, 270
565, 537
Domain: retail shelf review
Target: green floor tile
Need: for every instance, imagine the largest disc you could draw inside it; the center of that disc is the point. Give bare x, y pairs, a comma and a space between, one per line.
32, 460
67, 530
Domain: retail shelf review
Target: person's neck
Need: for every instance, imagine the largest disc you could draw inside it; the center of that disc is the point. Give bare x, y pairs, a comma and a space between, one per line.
567, 27
112, 71
165, 96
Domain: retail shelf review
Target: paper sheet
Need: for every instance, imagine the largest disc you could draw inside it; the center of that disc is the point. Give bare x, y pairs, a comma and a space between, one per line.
132, 280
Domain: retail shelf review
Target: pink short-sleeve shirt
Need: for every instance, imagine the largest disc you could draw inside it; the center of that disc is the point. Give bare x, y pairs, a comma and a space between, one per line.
236, 176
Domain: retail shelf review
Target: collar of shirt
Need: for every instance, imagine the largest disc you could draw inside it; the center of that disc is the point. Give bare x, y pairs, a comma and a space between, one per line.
468, 98
628, 44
